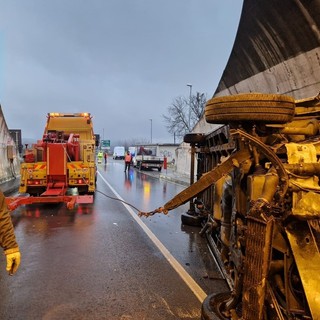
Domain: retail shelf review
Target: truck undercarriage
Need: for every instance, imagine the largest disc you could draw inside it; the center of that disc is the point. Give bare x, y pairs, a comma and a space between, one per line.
258, 198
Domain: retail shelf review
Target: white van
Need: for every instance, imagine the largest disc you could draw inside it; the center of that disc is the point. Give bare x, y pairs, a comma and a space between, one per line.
118, 152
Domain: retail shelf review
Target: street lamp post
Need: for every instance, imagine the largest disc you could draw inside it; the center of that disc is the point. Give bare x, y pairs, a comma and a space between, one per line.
192, 206
189, 117
151, 128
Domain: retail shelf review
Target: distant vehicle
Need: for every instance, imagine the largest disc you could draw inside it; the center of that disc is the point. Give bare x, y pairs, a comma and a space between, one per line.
146, 157
132, 150
118, 152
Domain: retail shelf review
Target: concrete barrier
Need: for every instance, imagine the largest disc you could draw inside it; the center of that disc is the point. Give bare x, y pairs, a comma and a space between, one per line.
276, 50
9, 157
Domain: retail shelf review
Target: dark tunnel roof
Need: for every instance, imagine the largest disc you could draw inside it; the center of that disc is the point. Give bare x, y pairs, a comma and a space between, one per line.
269, 33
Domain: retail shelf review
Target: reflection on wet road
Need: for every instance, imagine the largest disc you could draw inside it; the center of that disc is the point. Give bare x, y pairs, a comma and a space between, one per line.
147, 193
200, 294
96, 261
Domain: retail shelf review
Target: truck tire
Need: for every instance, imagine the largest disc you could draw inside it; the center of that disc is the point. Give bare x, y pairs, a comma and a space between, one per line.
194, 138
192, 220
251, 107
211, 308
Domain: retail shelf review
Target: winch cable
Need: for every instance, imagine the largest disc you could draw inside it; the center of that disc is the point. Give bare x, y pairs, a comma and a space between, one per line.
184, 196
140, 213
203, 183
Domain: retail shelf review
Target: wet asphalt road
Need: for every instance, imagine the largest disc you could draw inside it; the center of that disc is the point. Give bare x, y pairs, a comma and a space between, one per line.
101, 261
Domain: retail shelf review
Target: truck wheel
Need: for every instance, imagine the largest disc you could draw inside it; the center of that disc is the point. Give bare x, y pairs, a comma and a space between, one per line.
212, 306
190, 220
159, 169
260, 107
194, 138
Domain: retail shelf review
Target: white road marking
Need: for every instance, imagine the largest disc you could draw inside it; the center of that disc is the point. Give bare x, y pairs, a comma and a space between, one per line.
195, 288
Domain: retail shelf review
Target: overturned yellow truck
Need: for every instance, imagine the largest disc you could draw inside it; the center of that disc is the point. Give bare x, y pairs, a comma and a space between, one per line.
258, 200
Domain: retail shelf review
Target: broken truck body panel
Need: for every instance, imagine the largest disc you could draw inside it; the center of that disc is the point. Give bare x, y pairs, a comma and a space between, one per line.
63, 159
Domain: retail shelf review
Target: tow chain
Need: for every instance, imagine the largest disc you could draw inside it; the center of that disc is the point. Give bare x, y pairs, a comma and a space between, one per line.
205, 181
151, 213
140, 213
235, 160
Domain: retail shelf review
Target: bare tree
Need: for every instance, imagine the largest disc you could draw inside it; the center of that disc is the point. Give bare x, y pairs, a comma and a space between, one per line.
184, 113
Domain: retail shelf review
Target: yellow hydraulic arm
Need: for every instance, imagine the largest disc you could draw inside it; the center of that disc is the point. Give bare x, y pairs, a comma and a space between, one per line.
203, 183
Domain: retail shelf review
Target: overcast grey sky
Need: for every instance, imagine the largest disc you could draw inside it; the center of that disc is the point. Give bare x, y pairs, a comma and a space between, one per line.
124, 61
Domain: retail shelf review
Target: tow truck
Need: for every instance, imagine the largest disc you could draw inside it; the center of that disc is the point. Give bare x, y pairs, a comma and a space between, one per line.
62, 161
